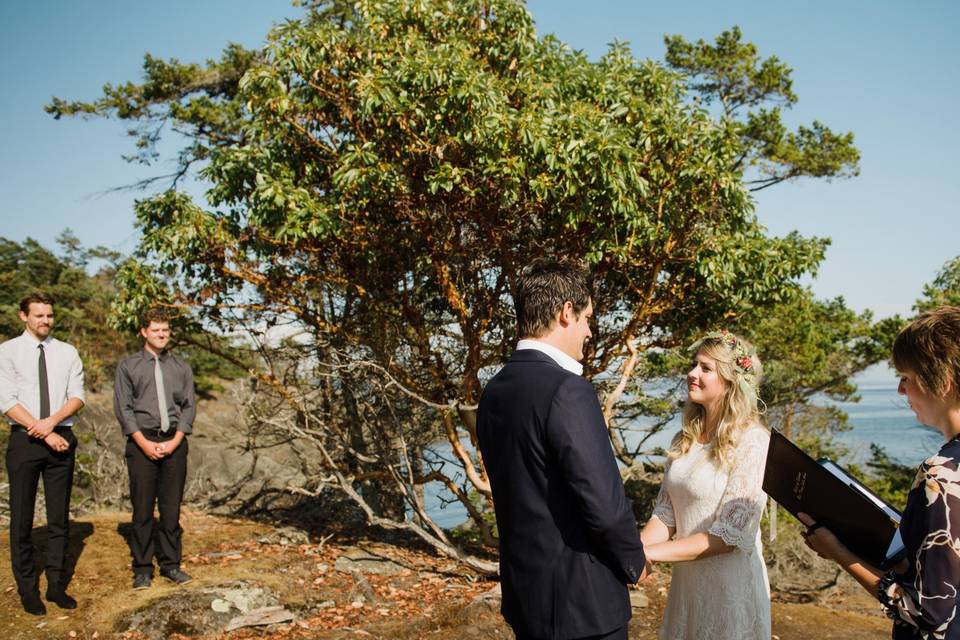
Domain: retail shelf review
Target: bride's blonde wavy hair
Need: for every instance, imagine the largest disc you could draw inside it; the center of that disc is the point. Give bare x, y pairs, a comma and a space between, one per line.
740, 367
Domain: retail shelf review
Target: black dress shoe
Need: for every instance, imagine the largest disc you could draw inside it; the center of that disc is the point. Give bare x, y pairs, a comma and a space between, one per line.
32, 603
60, 598
176, 575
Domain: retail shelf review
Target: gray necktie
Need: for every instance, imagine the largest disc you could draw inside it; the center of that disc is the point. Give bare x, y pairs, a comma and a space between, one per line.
161, 396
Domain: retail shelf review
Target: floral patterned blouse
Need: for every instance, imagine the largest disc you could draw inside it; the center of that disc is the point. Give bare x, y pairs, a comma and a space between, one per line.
923, 601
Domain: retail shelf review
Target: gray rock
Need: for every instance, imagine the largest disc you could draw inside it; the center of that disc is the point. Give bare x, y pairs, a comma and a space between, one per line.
286, 536
245, 599
638, 599
484, 604
360, 561
220, 606
491, 596
261, 617
193, 612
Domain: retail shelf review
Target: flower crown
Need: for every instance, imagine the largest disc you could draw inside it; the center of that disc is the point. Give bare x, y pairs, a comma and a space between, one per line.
742, 357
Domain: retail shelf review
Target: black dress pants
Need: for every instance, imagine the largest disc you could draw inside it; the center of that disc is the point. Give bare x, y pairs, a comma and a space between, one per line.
161, 483
27, 460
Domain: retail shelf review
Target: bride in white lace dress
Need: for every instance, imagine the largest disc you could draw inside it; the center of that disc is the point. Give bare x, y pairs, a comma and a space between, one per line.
707, 518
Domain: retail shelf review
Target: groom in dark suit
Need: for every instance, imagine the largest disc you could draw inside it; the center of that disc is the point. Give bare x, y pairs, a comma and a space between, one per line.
569, 543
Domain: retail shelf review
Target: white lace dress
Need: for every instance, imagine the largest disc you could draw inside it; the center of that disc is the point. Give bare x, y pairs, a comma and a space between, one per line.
726, 596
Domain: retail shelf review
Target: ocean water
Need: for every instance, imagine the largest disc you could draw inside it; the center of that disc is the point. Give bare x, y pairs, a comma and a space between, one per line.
881, 417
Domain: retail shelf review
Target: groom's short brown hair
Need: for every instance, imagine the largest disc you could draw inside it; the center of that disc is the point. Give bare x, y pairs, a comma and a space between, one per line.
542, 289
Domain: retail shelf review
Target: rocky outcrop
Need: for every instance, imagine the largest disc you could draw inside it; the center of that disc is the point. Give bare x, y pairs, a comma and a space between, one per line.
210, 609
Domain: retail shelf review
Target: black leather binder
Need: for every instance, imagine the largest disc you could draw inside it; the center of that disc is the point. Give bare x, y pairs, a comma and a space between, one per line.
866, 524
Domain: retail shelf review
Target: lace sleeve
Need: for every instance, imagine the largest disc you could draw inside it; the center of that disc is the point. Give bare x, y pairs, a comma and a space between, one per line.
926, 596
663, 508
738, 516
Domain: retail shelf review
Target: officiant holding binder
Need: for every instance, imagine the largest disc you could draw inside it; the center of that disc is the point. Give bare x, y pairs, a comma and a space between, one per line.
920, 594
831, 496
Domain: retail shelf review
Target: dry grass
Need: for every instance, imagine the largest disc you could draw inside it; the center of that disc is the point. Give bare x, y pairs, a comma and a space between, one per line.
429, 600
102, 578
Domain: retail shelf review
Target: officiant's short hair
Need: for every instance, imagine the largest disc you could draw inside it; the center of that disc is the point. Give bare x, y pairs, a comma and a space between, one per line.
929, 348
155, 314
542, 289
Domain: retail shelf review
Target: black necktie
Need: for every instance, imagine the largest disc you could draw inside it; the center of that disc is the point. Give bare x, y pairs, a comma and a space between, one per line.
44, 387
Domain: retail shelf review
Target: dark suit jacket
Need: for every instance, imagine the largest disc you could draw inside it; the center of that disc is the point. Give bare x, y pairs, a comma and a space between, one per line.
569, 543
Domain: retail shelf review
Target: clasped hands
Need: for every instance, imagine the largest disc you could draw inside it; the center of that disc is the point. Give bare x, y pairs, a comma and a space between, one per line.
646, 574
43, 430
157, 450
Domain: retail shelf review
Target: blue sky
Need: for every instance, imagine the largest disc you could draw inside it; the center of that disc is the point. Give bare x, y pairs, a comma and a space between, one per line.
885, 70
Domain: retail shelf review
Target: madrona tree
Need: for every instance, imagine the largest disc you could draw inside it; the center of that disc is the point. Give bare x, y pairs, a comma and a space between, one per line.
380, 172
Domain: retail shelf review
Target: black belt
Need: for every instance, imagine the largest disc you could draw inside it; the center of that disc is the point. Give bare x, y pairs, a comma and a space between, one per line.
157, 433
57, 429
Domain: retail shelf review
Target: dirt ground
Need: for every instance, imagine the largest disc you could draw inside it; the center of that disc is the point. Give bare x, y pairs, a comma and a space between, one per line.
429, 598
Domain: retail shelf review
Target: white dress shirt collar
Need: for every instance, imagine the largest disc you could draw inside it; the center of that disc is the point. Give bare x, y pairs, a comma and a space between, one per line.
558, 356
33, 339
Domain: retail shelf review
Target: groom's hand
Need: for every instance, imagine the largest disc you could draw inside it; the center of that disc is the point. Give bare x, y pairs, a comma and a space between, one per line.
647, 571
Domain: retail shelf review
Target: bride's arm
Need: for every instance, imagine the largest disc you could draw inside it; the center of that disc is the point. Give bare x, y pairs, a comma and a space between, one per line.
654, 532
662, 523
738, 515
693, 547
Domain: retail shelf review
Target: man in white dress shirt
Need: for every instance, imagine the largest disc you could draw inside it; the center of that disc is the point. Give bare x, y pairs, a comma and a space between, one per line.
41, 388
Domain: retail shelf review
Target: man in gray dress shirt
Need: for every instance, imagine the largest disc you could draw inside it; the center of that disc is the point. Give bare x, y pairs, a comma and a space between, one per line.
41, 388
155, 403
